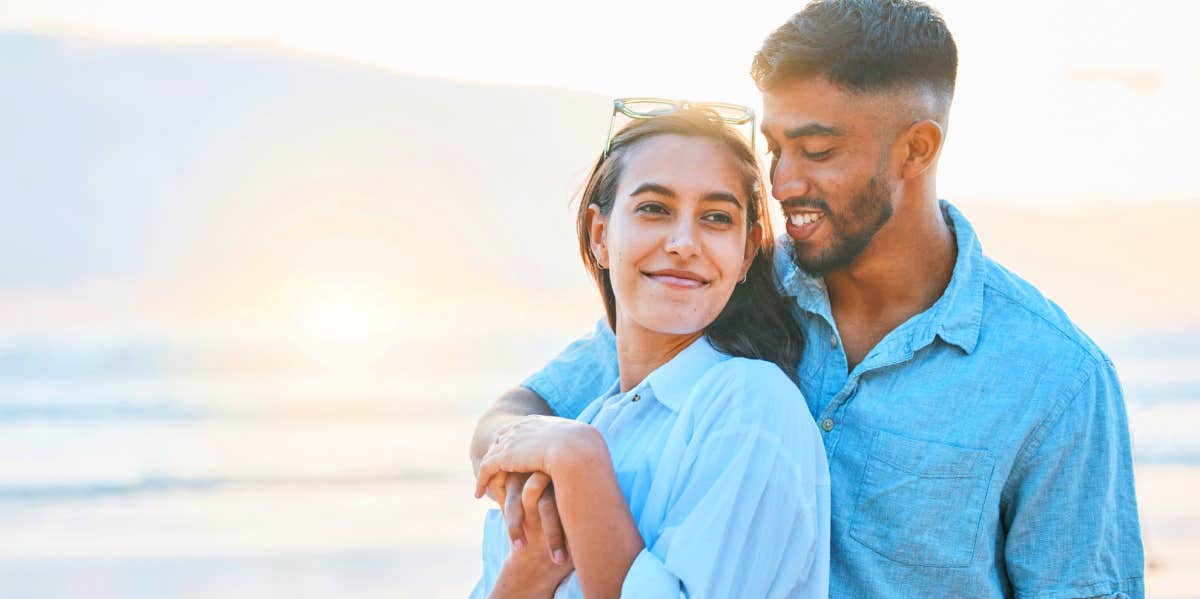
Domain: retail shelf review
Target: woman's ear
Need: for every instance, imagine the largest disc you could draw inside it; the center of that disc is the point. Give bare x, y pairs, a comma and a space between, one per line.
752, 247
597, 233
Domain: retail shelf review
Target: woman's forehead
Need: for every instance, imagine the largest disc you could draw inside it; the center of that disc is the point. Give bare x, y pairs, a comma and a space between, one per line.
684, 163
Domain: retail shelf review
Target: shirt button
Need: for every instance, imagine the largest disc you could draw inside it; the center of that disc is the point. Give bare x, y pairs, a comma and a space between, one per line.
827, 424
636, 397
833, 341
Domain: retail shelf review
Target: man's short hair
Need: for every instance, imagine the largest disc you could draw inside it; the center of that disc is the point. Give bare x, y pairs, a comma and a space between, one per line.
862, 46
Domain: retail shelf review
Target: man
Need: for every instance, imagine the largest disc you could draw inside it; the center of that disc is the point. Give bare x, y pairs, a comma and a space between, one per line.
977, 440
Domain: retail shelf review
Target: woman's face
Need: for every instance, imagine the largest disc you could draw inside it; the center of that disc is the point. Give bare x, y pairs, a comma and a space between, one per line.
676, 242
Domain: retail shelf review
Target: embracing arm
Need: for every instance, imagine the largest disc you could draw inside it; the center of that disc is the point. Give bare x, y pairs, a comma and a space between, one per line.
512, 406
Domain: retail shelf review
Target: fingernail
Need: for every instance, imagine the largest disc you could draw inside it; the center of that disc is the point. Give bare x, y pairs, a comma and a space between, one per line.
519, 543
560, 556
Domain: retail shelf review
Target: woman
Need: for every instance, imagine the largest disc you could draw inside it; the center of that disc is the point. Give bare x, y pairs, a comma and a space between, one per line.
701, 472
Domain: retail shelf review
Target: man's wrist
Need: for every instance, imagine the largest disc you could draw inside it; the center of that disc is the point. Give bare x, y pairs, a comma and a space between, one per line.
517, 580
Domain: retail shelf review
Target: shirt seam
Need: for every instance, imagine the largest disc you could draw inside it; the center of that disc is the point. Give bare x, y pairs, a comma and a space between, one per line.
1073, 338
1033, 444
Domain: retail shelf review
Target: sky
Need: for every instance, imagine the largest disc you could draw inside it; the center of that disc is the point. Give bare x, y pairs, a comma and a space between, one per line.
1060, 103
1078, 100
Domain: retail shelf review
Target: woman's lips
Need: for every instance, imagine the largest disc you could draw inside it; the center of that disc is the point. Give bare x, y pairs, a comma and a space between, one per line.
801, 225
682, 279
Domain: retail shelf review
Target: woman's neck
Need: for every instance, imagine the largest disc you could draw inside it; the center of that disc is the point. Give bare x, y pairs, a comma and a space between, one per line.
641, 351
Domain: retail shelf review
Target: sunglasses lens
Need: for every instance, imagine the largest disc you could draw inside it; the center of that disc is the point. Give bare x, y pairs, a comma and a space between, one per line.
730, 114
649, 108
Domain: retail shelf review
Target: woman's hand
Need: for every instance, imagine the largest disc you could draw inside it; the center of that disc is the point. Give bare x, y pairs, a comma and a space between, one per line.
535, 444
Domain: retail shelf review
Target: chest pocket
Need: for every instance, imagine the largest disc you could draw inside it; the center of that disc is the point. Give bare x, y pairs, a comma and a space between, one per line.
921, 503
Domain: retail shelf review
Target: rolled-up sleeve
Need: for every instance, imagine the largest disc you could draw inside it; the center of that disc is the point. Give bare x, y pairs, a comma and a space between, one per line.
744, 524
583, 371
1069, 508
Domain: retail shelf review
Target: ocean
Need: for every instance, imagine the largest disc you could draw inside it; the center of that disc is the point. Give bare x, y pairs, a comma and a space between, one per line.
128, 475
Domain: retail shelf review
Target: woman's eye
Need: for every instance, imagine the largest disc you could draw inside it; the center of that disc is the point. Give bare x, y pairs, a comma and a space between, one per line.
719, 217
652, 208
822, 155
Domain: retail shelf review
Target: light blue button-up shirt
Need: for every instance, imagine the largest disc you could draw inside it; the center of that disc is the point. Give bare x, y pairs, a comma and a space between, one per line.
981, 449
725, 476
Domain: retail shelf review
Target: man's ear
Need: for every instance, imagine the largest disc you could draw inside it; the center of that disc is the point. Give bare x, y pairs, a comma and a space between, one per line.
597, 227
922, 142
752, 241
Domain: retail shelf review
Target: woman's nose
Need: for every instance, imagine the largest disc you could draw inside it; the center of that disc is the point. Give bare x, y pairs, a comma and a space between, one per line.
682, 239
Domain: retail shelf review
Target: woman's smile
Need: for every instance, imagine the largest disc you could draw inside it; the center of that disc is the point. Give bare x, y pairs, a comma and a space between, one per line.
679, 279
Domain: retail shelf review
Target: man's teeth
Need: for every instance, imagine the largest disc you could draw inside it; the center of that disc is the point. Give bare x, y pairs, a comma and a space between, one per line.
803, 218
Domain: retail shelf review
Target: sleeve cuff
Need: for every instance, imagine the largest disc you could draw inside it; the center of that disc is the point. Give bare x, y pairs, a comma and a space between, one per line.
542, 385
648, 577
1131, 588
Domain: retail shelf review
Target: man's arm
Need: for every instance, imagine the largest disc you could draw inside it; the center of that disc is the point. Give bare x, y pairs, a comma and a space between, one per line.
527, 501
1068, 508
584, 370
512, 406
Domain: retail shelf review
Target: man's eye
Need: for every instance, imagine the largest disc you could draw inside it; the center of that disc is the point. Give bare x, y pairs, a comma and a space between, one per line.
652, 208
818, 155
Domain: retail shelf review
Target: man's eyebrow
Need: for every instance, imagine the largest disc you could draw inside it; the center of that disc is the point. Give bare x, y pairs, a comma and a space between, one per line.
814, 130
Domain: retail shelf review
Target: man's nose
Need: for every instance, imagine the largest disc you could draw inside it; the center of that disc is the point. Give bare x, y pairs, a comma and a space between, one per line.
788, 180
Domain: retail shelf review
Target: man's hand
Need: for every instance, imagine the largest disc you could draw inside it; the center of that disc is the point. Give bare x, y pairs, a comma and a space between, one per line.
531, 513
529, 571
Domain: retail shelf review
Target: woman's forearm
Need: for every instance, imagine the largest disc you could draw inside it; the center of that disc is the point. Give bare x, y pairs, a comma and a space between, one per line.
604, 538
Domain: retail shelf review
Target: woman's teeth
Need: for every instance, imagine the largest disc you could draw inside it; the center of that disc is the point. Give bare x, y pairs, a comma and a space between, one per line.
803, 218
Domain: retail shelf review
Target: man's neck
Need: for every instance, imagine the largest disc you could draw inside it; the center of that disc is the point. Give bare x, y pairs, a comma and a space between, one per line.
903, 272
641, 351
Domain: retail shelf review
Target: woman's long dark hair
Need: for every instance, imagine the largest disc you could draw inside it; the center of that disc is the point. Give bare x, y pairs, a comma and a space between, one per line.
758, 321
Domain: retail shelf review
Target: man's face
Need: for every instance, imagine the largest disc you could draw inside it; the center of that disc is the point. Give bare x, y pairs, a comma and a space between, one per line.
830, 151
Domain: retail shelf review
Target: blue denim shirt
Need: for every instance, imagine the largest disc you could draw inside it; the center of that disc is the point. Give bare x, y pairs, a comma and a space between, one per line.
980, 449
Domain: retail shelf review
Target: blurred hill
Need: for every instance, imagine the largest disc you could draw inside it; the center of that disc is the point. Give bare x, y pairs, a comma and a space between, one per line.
151, 188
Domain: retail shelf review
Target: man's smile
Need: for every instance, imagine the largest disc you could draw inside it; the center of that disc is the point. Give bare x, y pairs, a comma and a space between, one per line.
801, 224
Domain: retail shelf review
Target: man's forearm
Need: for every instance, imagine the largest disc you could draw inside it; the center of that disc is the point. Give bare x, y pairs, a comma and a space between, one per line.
516, 403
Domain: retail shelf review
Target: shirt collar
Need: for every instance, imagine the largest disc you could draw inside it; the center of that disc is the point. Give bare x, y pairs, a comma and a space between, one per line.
956, 317
672, 383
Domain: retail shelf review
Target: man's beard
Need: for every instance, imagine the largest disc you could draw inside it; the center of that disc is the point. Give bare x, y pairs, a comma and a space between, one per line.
852, 231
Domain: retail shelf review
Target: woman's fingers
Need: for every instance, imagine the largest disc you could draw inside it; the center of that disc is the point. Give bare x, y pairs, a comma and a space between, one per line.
488, 470
537, 483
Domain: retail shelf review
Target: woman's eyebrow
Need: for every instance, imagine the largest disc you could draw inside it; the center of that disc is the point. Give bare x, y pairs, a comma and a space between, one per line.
654, 188
663, 190
722, 196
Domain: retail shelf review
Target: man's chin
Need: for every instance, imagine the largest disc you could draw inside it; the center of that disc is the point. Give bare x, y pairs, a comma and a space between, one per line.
817, 262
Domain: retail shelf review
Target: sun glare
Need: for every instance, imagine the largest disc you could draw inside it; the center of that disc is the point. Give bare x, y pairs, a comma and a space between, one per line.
346, 330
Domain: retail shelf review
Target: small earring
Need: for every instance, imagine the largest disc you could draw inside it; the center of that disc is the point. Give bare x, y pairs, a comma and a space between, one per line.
743, 278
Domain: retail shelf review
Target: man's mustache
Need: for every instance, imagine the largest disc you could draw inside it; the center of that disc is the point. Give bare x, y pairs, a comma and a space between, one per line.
809, 203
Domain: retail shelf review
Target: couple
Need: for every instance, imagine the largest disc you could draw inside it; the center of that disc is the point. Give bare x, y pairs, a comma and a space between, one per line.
952, 434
